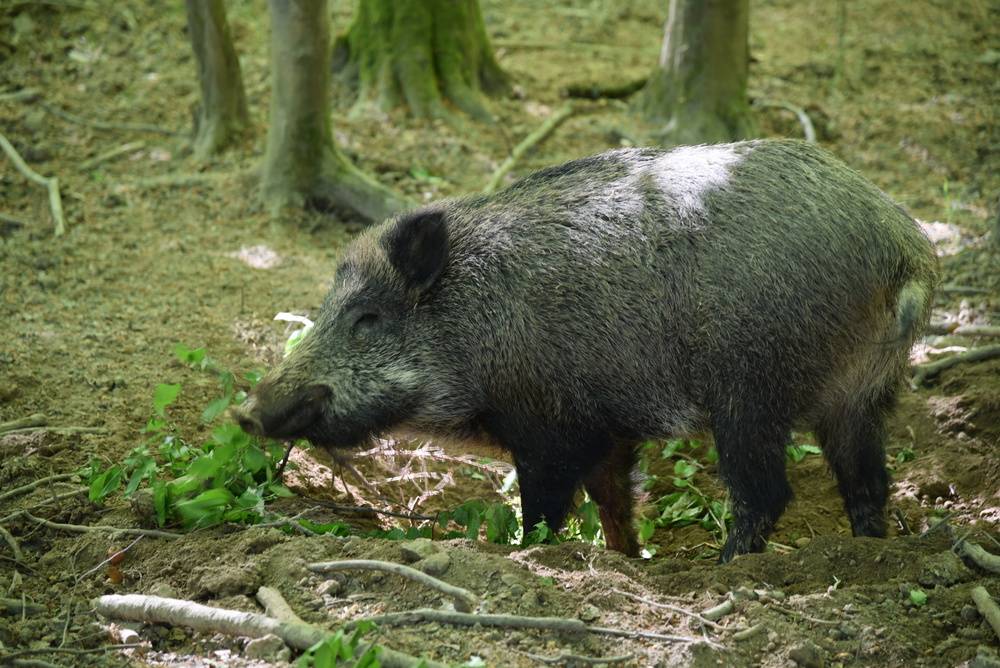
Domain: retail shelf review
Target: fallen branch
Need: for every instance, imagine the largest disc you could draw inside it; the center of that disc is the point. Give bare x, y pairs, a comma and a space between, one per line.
717, 612
176, 612
465, 600
12, 543
34, 420
924, 372
672, 608
24, 489
807, 126
594, 91
980, 557
51, 184
276, 606
80, 528
15, 606
113, 153
748, 633
529, 142
987, 608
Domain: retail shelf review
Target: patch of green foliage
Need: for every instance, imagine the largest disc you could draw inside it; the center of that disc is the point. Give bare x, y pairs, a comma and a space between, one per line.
687, 504
331, 651
226, 479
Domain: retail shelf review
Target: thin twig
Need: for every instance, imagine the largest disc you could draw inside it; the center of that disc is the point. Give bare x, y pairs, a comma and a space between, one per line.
80, 528
673, 608
157, 610
107, 560
50, 183
529, 142
12, 542
280, 471
649, 635
112, 153
808, 129
796, 613
987, 608
564, 624
24, 489
50, 500
924, 372
33, 420
464, 599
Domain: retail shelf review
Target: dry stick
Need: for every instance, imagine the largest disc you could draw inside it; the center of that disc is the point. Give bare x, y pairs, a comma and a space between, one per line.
536, 137
113, 153
276, 606
924, 372
15, 606
673, 608
79, 528
987, 607
807, 126
52, 499
12, 542
51, 184
464, 599
34, 420
176, 612
980, 557
23, 489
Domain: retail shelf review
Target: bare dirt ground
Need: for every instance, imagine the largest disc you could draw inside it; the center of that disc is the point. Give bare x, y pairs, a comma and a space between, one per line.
161, 250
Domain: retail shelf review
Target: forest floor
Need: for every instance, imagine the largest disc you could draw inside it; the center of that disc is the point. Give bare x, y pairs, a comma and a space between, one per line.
160, 250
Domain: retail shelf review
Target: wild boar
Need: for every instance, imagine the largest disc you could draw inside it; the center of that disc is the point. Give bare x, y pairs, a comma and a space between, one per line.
744, 289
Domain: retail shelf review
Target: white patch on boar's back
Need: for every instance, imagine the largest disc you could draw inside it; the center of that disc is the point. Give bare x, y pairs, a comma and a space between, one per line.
687, 173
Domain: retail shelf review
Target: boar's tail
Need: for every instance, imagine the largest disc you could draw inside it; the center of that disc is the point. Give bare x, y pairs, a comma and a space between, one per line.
912, 308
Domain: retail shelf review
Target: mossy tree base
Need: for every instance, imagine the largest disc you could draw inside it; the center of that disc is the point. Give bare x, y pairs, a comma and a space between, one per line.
420, 53
222, 116
698, 92
302, 166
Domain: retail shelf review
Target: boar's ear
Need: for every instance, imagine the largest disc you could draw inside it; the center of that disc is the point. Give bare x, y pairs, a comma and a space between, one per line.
418, 247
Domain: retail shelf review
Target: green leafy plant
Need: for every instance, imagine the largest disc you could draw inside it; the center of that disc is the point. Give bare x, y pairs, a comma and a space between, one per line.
331, 651
796, 453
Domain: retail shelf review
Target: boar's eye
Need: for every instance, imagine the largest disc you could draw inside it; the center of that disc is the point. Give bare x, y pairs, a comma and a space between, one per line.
366, 322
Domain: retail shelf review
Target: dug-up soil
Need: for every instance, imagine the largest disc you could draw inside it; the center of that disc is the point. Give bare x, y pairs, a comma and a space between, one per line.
161, 250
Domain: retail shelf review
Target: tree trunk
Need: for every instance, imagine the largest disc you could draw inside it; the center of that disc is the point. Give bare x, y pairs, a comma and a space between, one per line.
222, 114
302, 165
420, 52
698, 93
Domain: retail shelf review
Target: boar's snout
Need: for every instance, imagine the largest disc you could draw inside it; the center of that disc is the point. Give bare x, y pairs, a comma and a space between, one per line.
279, 412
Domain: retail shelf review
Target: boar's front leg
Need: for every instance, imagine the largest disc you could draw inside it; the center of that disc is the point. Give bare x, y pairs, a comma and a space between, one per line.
751, 443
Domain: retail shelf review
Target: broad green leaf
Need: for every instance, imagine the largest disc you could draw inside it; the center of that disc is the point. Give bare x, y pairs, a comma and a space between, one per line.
164, 396
105, 483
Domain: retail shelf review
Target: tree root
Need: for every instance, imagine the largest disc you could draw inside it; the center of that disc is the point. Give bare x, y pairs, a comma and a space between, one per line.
924, 372
750, 632
176, 612
33, 420
672, 608
529, 142
465, 600
24, 489
980, 557
987, 608
719, 611
575, 659
80, 528
807, 126
51, 184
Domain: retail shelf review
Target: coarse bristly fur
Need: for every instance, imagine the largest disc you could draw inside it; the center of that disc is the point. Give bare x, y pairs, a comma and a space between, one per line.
743, 288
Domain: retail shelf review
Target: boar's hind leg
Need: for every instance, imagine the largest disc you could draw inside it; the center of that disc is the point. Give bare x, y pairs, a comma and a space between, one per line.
853, 440
751, 445
610, 486
547, 483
